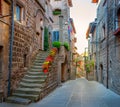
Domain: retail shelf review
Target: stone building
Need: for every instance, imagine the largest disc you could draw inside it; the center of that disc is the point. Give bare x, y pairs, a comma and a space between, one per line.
92, 44
61, 12
32, 24
107, 48
27, 27
73, 48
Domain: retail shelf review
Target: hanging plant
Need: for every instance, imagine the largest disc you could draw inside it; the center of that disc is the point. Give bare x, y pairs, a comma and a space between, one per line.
56, 44
66, 45
57, 12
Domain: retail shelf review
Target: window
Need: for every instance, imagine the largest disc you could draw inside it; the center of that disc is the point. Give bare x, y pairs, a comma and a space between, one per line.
18, 13
55, 36
103, 31
118, 18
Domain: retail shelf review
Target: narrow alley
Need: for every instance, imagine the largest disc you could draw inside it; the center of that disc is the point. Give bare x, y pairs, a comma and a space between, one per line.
76, 93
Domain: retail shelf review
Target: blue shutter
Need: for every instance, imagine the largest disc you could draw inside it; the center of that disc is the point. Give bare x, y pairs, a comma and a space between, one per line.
55, 36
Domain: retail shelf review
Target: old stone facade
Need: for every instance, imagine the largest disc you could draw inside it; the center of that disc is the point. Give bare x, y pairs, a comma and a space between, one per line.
32, 31
30, 20
4, 46
113, 45
107, 48
60, 25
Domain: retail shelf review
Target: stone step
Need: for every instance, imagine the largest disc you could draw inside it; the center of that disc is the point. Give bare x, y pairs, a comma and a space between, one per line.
42, 54
28, 90
18, 100
33, 81
38, 63
35, 76
35, 73
41, 57
36, 70
28, 96
31, 85
36, 67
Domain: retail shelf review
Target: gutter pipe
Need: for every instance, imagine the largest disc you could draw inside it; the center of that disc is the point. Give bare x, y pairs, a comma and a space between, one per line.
11, 47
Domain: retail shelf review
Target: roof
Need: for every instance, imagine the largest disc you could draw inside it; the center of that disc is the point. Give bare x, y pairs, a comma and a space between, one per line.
90, 29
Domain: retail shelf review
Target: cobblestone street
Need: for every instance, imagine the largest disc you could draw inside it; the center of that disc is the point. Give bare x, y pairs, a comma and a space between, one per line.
76, 93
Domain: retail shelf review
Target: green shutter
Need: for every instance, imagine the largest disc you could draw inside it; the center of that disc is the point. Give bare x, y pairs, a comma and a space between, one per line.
46, 44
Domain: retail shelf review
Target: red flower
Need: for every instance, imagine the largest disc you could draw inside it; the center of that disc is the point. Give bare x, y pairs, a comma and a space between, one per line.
45, 70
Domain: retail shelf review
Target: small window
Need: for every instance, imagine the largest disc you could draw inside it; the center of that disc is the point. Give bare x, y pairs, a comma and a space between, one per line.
18, 13
103, 31
118, 18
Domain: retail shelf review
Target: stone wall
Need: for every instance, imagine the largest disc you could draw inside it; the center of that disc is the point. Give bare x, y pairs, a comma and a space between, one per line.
109, 48
26, 40
4, 47
114, 47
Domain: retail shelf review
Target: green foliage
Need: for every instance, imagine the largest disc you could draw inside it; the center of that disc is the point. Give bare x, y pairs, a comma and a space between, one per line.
66, 45
46, 44
56, 12
56, 44
89, 65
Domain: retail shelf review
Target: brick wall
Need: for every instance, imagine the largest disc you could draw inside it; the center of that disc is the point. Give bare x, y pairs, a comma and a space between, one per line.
110, 50
26, 40
114, 48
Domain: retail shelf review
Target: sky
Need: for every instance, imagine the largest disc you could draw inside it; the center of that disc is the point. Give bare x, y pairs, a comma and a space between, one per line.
83, 12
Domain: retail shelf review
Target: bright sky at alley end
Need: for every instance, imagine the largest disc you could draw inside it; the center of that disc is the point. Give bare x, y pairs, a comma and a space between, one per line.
83, 12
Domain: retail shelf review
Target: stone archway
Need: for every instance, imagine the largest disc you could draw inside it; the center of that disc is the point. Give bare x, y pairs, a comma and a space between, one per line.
64, 70
101, 73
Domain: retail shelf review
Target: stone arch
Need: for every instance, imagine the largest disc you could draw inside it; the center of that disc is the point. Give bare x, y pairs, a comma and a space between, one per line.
101, 73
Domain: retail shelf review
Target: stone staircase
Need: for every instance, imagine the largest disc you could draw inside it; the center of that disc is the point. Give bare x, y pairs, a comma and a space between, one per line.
35, 84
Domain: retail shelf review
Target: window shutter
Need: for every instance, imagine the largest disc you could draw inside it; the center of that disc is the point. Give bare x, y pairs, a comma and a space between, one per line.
57, 36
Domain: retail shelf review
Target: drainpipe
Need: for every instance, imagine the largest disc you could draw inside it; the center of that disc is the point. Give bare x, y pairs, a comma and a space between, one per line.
107, 46
11, 47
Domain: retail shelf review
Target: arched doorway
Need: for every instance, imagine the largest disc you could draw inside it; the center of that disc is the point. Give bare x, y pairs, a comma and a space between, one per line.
101, 73
64, 70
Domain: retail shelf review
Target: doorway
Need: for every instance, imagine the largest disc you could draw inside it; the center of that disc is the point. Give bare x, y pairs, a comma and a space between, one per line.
101, 73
